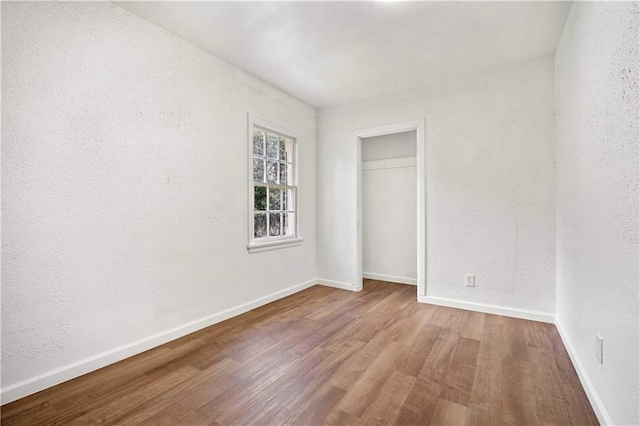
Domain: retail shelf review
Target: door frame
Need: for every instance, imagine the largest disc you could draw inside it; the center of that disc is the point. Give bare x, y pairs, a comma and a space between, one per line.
421, 197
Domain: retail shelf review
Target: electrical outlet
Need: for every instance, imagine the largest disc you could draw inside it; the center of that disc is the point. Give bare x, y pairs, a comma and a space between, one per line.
599, 347
470, 280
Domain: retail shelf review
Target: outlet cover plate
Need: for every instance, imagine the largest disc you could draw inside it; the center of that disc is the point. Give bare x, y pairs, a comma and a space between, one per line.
470, 280
599, 347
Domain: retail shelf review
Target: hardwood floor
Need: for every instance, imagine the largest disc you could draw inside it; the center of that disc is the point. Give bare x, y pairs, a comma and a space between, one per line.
328, 356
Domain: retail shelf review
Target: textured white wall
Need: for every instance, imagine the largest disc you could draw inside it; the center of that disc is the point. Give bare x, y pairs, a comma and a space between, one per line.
490, 185
124, 157
389, 206
597, 69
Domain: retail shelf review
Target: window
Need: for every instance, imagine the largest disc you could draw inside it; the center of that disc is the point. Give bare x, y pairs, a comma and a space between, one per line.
273, 189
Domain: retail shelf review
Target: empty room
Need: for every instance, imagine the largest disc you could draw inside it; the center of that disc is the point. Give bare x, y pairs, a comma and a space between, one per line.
320, 213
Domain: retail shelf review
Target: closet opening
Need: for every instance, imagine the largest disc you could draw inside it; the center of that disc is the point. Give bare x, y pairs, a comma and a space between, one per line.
389, 203
391, 241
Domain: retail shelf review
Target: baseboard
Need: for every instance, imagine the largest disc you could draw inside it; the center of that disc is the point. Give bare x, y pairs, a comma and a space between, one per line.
79, 368
389, 278
594, 399
489, 309
337, 284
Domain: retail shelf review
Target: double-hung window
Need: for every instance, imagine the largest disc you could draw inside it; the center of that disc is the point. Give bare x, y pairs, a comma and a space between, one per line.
273, 189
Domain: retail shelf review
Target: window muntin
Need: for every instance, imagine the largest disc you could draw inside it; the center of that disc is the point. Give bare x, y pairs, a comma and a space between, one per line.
273, 186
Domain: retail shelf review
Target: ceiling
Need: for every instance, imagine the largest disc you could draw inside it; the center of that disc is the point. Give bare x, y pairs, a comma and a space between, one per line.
329, 53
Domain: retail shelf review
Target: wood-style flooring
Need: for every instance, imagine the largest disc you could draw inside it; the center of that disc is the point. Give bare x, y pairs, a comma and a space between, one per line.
328, 356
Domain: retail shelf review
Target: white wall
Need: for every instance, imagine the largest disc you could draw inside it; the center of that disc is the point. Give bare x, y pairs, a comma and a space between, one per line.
395, 145
124, 157
389, 207
490, 185
597, 200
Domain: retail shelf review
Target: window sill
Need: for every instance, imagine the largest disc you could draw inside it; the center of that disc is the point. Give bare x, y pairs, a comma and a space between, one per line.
274, 245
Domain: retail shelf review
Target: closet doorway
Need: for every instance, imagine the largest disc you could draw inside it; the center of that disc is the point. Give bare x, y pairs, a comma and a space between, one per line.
389, 203
391, 240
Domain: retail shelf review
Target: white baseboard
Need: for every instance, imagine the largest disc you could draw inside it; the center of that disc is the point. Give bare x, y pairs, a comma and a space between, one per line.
337, 284
389, 278
594, 399
489, 309
76, 369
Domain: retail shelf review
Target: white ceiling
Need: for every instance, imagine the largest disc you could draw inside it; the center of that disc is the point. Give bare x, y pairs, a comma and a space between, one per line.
328, 53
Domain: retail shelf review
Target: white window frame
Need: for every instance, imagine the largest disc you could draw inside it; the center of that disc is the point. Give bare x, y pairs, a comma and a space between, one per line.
271, 243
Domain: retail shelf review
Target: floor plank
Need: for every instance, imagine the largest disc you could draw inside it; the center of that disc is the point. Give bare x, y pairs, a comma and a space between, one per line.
329, 356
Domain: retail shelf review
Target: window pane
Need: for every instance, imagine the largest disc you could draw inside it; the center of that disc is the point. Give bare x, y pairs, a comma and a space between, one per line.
272, 171
272, 146
285, 148
258, 169
285, 174
288, 202
288, 224
258, 142
274, 206
274, 224
260, 225
274, 198
260, 198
